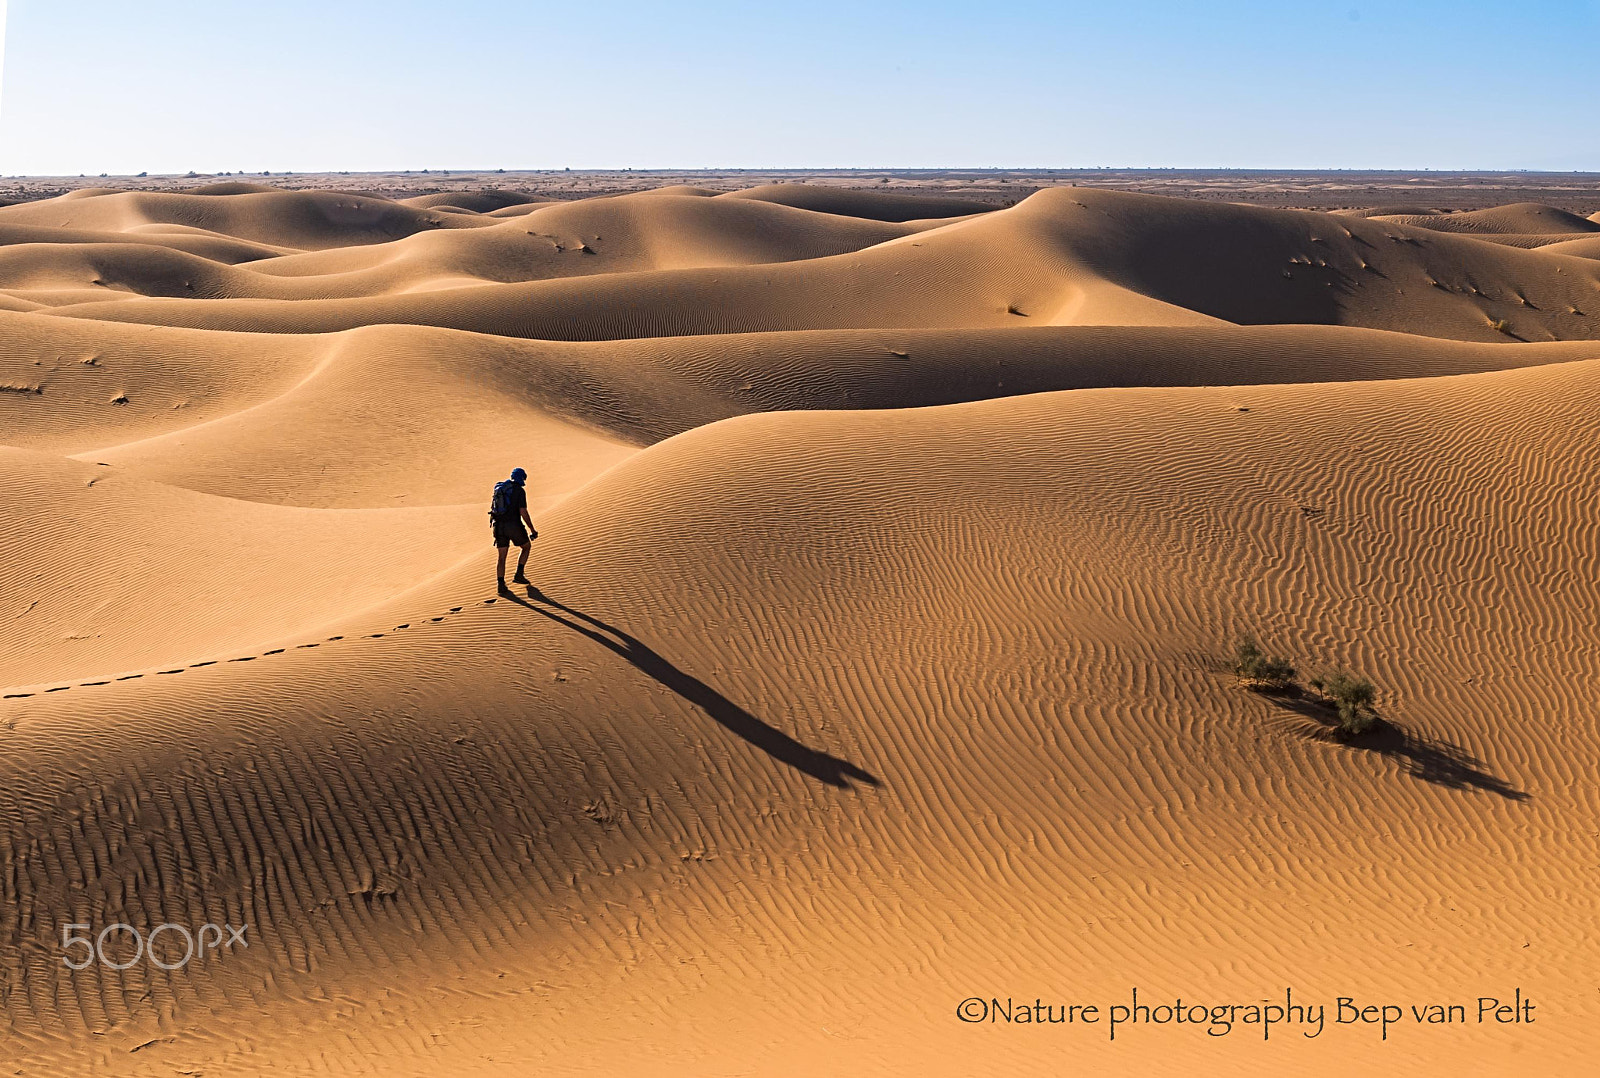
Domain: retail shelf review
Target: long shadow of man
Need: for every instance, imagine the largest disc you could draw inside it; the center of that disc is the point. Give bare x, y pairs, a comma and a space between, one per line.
775, 743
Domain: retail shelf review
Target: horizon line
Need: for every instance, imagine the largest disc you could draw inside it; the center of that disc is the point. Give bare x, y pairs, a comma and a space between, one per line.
804, 169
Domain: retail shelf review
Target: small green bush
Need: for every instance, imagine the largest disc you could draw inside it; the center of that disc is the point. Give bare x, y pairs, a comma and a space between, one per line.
1256, 666
1352, 696
1500, 325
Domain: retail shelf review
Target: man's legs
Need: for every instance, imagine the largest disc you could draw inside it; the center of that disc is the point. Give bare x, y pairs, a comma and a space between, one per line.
522, 563
500, 572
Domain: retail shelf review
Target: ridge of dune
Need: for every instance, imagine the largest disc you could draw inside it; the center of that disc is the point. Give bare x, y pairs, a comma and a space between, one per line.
553, 240
229, 187
514, 211
473, 201
28, 269
386, 419
1520, 218
104, 383
212, 246
593, 236
694, 776
1582, 247
1529, 241
871, 205
309, 220
130, 574
1400, 210
390, 415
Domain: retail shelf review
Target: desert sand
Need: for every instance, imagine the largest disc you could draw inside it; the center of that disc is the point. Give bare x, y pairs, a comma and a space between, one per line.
893, 548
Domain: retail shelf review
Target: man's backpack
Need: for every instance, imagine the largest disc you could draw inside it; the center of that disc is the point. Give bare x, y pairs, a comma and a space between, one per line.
500, 504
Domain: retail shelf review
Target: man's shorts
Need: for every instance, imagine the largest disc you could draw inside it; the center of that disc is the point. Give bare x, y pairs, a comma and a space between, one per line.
508, 533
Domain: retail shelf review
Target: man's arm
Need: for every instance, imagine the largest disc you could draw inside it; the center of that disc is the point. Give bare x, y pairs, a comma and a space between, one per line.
526, 519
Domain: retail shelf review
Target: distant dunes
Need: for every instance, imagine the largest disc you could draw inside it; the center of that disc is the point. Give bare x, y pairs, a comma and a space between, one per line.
684, 263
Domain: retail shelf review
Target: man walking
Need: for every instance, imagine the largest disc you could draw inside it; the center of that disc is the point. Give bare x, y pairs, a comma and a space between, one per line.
508, 512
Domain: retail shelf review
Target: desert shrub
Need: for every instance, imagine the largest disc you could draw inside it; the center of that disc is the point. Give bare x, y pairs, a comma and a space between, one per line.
1257, 667
1500, 325
1352, 696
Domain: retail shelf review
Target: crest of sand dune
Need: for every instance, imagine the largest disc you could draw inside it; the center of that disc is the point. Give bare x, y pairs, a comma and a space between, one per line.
892, 550
1525, 224
1582, 247
1525, 218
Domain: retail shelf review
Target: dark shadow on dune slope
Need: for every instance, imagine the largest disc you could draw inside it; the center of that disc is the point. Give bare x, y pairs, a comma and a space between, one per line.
1441, 763
1239, 265
775, 743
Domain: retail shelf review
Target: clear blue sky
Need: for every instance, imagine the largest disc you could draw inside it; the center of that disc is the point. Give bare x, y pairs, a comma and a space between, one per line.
168, 86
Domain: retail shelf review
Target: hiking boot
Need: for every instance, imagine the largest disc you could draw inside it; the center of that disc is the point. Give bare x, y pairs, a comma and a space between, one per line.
502, 588
520, 579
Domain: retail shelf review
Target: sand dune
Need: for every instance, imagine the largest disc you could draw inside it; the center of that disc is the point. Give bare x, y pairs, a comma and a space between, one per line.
1525, 218
550, 241
868, 205
1525, 224
210, 246
888, 567
310, 220
450, 396
1060, 258
595, 236
1401, 210
474, 201
1584, 247
99, 548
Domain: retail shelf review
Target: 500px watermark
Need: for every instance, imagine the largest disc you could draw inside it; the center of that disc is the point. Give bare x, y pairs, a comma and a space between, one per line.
169, 946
